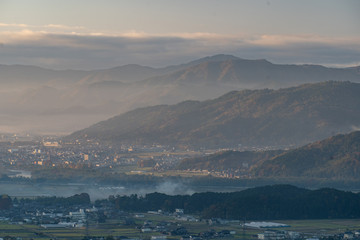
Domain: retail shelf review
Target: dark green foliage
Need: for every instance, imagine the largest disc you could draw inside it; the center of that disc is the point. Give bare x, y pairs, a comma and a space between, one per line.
333, 202
77, 199
335, 157
269, 202
89, 175
291, 116
5, 202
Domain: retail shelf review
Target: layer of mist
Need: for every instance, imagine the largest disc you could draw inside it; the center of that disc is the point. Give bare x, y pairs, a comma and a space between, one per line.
95, 191
40, 100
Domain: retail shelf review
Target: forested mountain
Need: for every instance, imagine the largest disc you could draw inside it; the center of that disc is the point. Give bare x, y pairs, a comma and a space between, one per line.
268, 202
335, 157
284, 117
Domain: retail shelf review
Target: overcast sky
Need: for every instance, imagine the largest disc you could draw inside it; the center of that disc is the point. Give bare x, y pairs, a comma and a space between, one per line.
87, 34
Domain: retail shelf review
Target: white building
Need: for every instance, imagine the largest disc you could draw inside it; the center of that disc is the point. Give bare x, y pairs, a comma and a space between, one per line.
158, 237
80, 215
272, 235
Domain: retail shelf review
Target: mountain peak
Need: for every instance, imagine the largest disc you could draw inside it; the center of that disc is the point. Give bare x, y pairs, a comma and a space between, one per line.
129, 67
215, 58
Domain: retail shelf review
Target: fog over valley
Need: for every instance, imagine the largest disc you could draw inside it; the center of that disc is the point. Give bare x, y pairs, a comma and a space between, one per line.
182, 120
39, 100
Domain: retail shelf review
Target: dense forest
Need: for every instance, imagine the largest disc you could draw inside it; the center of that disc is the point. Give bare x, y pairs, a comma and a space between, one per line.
337, 157
260, 203
5, 202
77, 199
268, 202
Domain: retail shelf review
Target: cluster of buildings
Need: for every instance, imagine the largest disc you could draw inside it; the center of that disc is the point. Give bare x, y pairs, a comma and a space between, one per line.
175, 228
51, 153
61, 216
242, 172
30, 212
55, 153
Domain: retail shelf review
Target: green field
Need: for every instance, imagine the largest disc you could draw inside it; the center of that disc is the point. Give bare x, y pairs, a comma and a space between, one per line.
329, 226
114, 227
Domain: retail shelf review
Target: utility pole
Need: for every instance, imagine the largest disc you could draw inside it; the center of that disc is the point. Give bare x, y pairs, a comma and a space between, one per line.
244, 229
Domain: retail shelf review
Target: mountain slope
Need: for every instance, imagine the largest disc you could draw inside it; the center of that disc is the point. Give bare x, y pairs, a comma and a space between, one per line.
18, 75
38, 100
253, 74
133, 72
126, 73
335, 157
226, 160
291, 116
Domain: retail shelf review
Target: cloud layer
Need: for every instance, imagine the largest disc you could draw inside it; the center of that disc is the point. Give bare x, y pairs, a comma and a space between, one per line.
74, 47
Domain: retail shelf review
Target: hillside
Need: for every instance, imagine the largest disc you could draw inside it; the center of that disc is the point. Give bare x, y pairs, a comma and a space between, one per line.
335, 157
284, 117
20, 76
226, 160
265, 203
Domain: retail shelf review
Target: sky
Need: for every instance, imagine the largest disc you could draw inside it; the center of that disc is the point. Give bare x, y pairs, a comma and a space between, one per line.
89, 34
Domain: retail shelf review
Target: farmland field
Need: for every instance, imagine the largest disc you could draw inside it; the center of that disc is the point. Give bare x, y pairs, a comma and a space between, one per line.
115, 227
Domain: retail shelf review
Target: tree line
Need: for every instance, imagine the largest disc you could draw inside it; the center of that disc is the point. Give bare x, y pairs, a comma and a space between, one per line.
269, 202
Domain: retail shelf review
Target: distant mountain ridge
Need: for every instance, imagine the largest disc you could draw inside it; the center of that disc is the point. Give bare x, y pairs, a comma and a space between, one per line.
223, 67
23, 74
285, 117
254, 74
125, 73
30, 93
